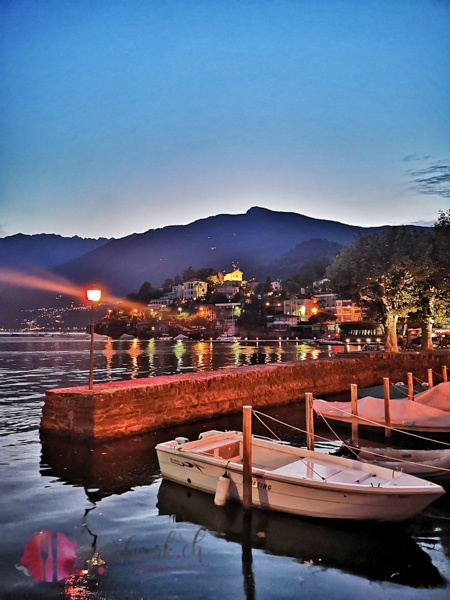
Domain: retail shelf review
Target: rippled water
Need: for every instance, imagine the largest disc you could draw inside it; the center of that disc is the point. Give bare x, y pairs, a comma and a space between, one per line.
138, 537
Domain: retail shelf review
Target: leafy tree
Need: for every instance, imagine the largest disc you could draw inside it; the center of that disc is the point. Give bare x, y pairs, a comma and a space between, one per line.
322, 317
218, 298
146, 293
267, 287
292, 287
253, 315
167, 285
432, 277
312, 270
189, 273
441, 267
205, 272
381, 271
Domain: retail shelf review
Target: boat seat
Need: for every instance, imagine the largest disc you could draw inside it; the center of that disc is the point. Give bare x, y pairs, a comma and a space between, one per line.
349, 476
312, 469
308, 469
227, 449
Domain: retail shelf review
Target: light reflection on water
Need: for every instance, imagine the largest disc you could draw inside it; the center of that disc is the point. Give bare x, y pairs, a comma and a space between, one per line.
109, 497
31, 365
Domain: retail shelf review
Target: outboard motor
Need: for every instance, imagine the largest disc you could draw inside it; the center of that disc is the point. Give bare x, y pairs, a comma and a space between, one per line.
181, 440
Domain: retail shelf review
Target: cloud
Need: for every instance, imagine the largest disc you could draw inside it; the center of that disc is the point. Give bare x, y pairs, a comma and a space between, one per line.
415, 157
434, 179
423, 223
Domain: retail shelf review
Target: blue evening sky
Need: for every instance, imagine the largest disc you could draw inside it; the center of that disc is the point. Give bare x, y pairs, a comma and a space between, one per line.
119, 116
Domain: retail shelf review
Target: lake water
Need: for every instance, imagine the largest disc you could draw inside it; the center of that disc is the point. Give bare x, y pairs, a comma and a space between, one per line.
120, 533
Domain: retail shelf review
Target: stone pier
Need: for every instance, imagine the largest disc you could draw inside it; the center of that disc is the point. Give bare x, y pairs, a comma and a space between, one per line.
122, 408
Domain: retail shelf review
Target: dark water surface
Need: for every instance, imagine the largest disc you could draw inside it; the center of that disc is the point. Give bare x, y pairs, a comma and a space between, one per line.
120, 533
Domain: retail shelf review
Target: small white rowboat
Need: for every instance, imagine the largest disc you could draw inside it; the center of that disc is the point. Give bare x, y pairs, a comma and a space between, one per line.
433, 465
294, 480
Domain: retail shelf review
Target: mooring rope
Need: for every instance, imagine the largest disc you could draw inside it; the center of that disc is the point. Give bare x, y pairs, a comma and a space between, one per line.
400, 387
377, 424
438, 374
421, 382
316, 436
356, 449
256, 413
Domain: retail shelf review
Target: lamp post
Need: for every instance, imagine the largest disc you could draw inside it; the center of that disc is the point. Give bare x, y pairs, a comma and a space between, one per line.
93, 295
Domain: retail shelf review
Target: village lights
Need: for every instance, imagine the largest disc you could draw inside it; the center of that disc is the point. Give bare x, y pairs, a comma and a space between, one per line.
93, 295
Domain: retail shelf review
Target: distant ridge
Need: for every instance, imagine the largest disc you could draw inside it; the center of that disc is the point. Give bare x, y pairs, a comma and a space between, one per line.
261, 242
254, 240
43, 251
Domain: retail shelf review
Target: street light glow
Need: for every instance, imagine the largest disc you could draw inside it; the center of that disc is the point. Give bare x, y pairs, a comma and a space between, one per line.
93, 295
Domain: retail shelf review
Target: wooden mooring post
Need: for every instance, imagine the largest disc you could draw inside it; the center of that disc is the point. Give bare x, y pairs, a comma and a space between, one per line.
387, 409
309, 421
410, 386
247, 459
430, 378
354, 405
444, 372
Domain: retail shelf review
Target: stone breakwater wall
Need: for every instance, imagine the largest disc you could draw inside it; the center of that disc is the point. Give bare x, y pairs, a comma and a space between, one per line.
122, 408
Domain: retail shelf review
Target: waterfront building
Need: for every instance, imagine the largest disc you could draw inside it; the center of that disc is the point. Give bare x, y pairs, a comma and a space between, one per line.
343, 310
302, 308
194, 289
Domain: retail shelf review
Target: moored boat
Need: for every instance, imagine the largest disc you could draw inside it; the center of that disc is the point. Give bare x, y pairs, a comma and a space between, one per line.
294, 480
433, 465
226, 337
429, 411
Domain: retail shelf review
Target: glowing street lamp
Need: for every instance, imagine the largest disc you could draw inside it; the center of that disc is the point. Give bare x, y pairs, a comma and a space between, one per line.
93, 295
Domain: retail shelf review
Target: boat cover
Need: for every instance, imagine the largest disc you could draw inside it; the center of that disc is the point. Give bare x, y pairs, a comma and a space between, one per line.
437, 396
403, 413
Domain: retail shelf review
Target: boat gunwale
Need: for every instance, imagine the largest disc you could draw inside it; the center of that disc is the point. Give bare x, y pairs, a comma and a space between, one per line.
388, 487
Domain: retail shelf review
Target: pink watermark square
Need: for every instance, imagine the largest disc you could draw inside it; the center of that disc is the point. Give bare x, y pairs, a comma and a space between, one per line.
49, 556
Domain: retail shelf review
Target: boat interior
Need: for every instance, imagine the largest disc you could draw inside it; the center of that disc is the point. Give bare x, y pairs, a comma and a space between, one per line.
288, 461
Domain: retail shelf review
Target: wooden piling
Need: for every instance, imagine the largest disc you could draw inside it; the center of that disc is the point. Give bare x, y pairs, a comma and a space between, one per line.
354, 404
309, 421
247, 459
410, 386
387, 408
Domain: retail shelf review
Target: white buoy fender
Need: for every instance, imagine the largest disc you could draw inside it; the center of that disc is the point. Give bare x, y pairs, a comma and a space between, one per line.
223, 485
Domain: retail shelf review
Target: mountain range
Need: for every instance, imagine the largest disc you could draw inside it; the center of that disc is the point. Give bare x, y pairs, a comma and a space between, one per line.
261, 242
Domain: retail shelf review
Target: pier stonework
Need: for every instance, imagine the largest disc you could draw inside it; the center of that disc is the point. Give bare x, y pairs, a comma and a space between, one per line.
121, 408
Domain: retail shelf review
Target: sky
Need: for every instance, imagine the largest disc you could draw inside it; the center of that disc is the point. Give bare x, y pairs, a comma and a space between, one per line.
120, 116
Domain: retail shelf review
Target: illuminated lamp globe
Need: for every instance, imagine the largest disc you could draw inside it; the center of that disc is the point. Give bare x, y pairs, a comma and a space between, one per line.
93, 295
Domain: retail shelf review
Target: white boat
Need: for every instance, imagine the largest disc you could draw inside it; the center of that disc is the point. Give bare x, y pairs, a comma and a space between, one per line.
225, 337
127, 336
429, 411
329, 342
433, 465
295, 480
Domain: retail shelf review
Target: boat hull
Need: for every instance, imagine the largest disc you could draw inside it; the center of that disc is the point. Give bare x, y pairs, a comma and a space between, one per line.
304, 486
